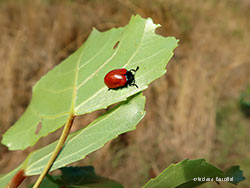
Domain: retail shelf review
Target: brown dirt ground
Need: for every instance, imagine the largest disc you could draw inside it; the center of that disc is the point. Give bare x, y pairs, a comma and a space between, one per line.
211, 65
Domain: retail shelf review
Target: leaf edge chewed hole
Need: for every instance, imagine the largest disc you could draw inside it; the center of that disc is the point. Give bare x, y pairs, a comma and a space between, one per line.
116, 45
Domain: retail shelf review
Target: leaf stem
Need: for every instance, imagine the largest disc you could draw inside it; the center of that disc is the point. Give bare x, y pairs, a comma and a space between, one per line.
17, 179
57, 150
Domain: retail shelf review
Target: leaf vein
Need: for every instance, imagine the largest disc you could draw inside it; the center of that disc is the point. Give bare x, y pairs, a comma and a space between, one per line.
97, 70
87, 62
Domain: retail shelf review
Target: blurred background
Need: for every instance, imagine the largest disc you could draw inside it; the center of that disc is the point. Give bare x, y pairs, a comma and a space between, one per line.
195, 111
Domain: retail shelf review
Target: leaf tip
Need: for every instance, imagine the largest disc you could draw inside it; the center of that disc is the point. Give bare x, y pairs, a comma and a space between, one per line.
151, 24
4, 141
95, 31
234, 174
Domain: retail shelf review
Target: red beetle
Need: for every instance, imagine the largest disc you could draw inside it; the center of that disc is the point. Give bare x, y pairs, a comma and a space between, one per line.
120, 78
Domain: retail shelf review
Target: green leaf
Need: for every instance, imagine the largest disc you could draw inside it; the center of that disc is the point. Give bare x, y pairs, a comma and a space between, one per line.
47, 183
123, 118
76, 86
182, 174
85, 177
78, 175
81, 177
234, 173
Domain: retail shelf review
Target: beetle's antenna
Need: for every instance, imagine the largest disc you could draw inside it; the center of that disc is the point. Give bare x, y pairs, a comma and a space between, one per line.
135, 70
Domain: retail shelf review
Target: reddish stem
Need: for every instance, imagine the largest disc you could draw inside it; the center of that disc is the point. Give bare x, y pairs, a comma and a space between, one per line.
17, 179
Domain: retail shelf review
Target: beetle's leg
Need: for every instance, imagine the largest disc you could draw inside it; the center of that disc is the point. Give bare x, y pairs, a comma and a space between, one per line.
134, 85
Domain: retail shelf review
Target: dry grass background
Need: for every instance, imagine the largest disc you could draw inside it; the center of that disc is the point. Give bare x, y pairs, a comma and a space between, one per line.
210, 68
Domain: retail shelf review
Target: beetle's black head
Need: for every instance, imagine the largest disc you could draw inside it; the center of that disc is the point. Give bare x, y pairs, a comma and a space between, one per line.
130, 77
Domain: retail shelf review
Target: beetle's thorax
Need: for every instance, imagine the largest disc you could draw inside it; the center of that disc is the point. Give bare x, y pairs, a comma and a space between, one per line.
130, 77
